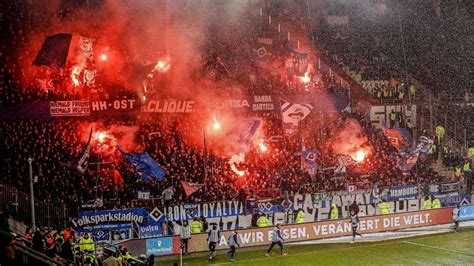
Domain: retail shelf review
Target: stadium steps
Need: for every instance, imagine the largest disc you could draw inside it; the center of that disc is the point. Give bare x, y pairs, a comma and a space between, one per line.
442, 170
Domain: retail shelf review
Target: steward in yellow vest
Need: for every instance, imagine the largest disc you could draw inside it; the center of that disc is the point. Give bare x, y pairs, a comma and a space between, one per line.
299, 217
436, 204
262, 221
384, 207
427, 203
334, 212
196, 226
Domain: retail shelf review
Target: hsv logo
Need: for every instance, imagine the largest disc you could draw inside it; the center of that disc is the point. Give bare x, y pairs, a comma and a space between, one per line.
156, 214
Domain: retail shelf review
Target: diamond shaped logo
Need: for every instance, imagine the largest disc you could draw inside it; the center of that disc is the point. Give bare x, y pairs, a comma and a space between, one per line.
156, 214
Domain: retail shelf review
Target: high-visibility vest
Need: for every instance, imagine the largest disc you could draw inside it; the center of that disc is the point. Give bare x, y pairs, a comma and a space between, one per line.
393, 116
436, 204
86, 244
427, 204
300, 217
471, 152
432, 149
334, 212
457, 171
196, 227
466, 167
262, 221
384, 208
439, 131
412, 89
401, 95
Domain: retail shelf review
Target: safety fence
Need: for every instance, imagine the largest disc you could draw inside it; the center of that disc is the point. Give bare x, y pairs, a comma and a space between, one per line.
18, 204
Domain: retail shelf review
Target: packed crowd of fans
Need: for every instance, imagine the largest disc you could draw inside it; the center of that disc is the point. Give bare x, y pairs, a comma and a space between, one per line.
383, 49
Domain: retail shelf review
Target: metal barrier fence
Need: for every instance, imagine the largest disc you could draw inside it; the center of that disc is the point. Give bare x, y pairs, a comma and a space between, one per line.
19, 207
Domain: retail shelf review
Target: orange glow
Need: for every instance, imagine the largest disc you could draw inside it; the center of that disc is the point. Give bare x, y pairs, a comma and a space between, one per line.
75, 72
237, 171
101, 137
162, 66
305, 78
216, 125
103, 57
262, 146
360, 156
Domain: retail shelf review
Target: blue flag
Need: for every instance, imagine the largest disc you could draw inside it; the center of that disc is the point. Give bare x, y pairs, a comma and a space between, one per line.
299, 64
309, 161
54, 51
253, 129
147, 167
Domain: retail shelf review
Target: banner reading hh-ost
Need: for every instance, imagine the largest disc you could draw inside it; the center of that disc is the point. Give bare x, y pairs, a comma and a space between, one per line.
328, 229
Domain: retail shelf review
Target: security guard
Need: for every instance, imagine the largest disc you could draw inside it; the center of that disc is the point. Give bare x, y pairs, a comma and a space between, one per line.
427, 203
88, 258
393, 118
471, 152
334, 212
384, 207
439, 132
433, 151
299, 216
412, 91
457, 171
196, 226
86, 243
436, 204
466, 166
262, 221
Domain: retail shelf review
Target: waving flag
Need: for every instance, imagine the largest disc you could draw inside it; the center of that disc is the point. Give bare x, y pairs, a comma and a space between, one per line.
407, 160
190, 188
54, 51
300, 64
81, 166
147, 167
253, 129
342, 162
292, 114
309, 161
423, 145
399, 137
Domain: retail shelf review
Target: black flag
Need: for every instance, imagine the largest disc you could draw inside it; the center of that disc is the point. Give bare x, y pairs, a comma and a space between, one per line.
54, 51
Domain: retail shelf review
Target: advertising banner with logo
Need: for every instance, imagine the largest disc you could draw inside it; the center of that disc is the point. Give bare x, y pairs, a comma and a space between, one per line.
162, 246
150, 231
466, 213
110, 219
329, 229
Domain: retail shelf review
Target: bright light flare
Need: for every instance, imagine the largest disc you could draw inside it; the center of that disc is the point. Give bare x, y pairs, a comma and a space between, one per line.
237, 171
305, 78
162, 66
101, 136
359, 156
262, 146
216, 125
103, 57
75, 72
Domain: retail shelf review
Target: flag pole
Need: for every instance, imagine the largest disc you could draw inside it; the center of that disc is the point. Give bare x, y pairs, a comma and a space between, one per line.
205, 159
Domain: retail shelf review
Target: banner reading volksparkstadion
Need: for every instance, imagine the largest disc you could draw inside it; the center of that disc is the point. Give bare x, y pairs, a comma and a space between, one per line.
110, 219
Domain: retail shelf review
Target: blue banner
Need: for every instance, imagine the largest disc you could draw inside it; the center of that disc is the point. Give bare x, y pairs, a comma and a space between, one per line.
466, 213
402, 192
110, 219
145, 165
150, 231
455, 199
159, 246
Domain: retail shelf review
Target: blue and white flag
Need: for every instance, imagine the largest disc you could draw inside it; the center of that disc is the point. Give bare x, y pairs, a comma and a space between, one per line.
247, 138
292, 114
147, 167
407, 160
342, 162
300, 64
308, 158
81, 166
423, 145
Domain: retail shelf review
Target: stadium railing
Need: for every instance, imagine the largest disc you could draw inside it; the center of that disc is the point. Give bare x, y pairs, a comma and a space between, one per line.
19, 206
